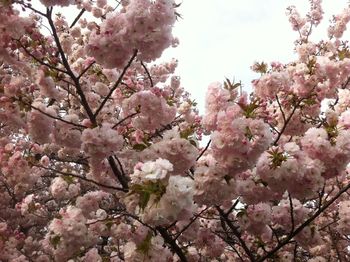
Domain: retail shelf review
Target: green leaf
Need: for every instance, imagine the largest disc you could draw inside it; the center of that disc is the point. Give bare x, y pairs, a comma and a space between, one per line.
260, 67
144, 198
311, 65
139, 147
332, 132
186, 133
309, 101
55, 240
31, 207
193, 142
68, 179
145, 245
249, 110
277, 158
241, 213
231, 85
259, 242
109, 224
170, 102
106, 258
145, 191
344, 53
248, 133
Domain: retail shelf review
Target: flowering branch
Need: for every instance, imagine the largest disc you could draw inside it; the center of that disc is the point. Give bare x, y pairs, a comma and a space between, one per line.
116, 84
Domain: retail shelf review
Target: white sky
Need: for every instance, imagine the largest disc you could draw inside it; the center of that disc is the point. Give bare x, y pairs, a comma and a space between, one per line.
223, 38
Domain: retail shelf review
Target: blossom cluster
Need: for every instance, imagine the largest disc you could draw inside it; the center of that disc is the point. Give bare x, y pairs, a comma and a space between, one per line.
163, 198
105, 157
142, 25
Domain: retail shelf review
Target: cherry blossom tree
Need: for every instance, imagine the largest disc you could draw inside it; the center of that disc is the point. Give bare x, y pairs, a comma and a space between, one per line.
101, 156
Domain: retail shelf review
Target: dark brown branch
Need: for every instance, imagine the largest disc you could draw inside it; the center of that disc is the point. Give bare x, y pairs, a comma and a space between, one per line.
115, 85
236, 233
172, 243
124, 119
11, 193
232, 207
281, 109
275, 234
80, 92
139, 220
335, 244
230, 243
31, 8
346, 83
305, 224
77, 18
86, 69
328, 224
40, 61
291, 212
193, 219
121, 178
53, 117
82, 178
120, 165
203, 151
286, 123
80, 161
147, 73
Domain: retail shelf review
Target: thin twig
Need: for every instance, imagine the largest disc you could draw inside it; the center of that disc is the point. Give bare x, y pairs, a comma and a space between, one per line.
193, 219
124, 119
122, 179
53, 117
31, 8
115, 85
286, 123
237, 234
81, 177
172, 243
80, 92
147, 73
291, 212
281, 109
86, 69
40, 61
77, 18
232, 207
305, 224
203, 151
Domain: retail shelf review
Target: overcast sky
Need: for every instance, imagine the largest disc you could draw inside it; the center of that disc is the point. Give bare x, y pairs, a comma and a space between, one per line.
223, 38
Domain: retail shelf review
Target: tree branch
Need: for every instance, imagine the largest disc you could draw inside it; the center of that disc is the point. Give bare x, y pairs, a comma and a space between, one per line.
115, 85
82, 178
77, 18
172, 243
237, 234
80, 92
147, 73
122, 179
305, 224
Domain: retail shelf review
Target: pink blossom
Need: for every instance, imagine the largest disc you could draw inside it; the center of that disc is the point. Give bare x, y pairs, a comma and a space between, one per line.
40, 126
153, 110
101, 142
49, 3
144, 26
